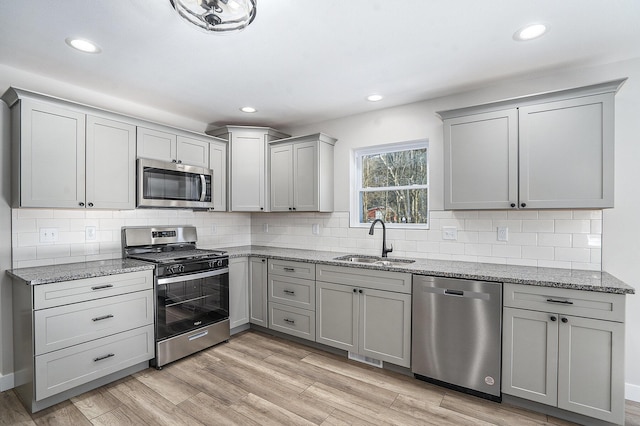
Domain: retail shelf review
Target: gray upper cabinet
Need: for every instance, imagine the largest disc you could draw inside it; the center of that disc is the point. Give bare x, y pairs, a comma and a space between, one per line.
247, 165
64, 157
166, 146
301, 173
218, 163
552, 150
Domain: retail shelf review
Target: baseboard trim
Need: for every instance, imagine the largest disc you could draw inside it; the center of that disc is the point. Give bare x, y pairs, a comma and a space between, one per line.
632, 392
6, 382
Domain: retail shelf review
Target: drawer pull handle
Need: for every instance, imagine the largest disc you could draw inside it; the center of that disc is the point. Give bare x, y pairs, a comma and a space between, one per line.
101, 287
289, 321
104, 317
100, 358
290, 292
564, 302
198, 335
289, 269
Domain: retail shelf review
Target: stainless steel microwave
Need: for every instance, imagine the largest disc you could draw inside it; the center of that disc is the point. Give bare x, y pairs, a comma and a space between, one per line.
165, 184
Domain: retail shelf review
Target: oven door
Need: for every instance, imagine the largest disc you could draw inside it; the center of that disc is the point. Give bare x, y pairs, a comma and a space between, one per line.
164, 184
188, 302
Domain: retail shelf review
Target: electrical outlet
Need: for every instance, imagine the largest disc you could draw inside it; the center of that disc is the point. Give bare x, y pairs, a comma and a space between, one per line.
90, 233
214, 229
265, 228
48, 235
315, 229
503, 233
449, 233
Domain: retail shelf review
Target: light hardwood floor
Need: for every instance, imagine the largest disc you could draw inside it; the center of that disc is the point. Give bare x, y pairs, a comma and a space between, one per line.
257, 379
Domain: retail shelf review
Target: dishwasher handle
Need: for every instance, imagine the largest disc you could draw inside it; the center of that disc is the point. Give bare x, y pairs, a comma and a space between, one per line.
454, 292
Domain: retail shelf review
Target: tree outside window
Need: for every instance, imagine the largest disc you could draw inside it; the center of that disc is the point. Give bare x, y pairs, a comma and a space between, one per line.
392, 185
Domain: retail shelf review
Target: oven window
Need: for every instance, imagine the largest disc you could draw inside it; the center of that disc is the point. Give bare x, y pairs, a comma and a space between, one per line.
191, 304
162, 184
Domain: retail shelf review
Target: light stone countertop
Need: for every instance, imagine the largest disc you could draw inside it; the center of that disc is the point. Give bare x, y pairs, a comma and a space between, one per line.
545, 277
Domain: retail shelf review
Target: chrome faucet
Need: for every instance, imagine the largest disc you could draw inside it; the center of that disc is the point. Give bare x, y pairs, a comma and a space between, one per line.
385, 250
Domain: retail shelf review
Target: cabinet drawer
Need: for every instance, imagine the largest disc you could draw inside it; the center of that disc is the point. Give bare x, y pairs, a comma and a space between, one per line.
292, 292
367, 278
294, 321
61, 370
65, 292
581, 303
62, 326
303, 270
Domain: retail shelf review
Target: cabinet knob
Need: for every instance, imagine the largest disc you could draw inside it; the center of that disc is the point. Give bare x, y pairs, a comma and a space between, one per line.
261, 208
289, 208
264, 260
553, 318
355, 290
564, 320
360, 291
90, 204
523, 205
513, 205
179, 161
81, 204
173, 161
294, 208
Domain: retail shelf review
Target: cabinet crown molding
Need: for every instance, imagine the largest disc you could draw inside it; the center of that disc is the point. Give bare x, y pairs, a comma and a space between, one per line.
322, 137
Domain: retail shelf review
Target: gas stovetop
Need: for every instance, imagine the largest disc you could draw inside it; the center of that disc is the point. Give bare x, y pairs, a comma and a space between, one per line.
172, 256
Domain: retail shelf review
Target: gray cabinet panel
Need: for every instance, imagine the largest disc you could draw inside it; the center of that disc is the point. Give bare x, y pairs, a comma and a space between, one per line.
218, 163
366, 278
281, 177
192, 151
305, 177
238, 291
292, 291
337, 312
291, 320
156, 144
258, 291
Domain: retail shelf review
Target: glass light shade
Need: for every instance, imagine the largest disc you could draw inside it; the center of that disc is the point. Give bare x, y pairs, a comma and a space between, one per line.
217, 15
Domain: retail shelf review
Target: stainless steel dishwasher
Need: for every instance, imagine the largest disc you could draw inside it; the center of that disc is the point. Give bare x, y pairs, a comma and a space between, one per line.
456, 334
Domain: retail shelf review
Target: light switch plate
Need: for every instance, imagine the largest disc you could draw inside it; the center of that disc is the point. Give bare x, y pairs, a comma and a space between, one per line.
265, 228
449, 233
315, 229
503, 233
48, 235
90, 233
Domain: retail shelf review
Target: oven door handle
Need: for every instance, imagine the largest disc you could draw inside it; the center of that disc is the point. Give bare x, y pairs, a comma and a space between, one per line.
203, 185
180, 278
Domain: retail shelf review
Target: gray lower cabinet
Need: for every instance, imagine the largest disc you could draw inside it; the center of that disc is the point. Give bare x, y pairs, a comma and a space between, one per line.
72, 336
238, 292
372, 322
258, 312
554, 355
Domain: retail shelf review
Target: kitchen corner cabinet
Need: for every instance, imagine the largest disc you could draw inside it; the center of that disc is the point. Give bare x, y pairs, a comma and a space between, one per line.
552, 150
247, 165
258, 311
66, 158
166, 146
565, 348
238, 291
301, 173
355, 313
218, 163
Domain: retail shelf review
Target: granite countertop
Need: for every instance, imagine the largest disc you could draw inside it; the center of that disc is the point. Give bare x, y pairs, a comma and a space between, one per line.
75, 271
545, 277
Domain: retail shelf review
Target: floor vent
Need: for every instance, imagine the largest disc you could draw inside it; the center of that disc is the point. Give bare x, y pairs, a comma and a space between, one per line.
365, 359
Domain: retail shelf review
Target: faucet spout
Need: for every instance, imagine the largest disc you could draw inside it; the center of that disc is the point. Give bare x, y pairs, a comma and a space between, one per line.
385, 250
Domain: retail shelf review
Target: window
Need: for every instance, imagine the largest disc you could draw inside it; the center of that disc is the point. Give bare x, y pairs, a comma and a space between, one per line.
392, 184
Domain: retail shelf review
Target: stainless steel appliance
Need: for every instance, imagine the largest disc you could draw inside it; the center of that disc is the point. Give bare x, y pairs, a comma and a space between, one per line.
456, 334
191, 287
166, 184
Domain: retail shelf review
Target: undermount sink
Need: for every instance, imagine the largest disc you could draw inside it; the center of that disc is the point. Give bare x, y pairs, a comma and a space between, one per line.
374, 260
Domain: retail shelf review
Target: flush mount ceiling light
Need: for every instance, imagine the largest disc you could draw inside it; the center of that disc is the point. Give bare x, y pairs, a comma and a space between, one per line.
530, 32
83, 45
248, 109
217, 15
374, 98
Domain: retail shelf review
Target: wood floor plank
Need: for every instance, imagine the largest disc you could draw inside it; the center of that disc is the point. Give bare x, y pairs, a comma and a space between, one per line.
492, 412
169, 386
432, 413
209, 410
12, 411
266, 413
96, 403
149, 405
276, 344
64, 413
122, 415
632, 413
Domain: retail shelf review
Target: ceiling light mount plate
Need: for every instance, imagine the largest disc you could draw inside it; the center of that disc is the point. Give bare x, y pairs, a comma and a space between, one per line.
218, 16
83, 45
374, 97
531, 31
248, 109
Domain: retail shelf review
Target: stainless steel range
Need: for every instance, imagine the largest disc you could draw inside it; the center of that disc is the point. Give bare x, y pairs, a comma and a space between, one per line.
191, 286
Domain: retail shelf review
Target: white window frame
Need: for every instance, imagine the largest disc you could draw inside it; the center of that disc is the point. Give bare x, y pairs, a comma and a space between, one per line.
356, 181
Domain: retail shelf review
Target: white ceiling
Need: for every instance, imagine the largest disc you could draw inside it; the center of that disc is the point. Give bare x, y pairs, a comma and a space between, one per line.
304, 61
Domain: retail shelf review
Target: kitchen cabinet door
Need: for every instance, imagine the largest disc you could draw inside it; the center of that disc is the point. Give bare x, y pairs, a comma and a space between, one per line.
218, 163
530, 355
566, 153
238, 291
192, 151
591, 368
481, 160
385, 326
248, 172
110, 167
305, 177
51, 149
337, 312
282, 180
258, 291
156, 144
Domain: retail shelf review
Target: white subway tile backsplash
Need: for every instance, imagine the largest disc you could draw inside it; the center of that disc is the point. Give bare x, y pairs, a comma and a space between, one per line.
571, 254
478, 225
523, 238
579, 226
538, 253
522, 214
555, 214
539, 225
493, 214
596, 226
554, 240
587, 214
477, 249
513, 225
506, 251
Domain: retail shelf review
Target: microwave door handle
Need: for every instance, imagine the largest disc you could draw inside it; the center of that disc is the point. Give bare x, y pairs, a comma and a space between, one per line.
203, 186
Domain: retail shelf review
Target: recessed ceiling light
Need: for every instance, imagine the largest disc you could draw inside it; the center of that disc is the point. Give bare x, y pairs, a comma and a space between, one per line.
83, 45
530, 32
248, 109
374, 98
